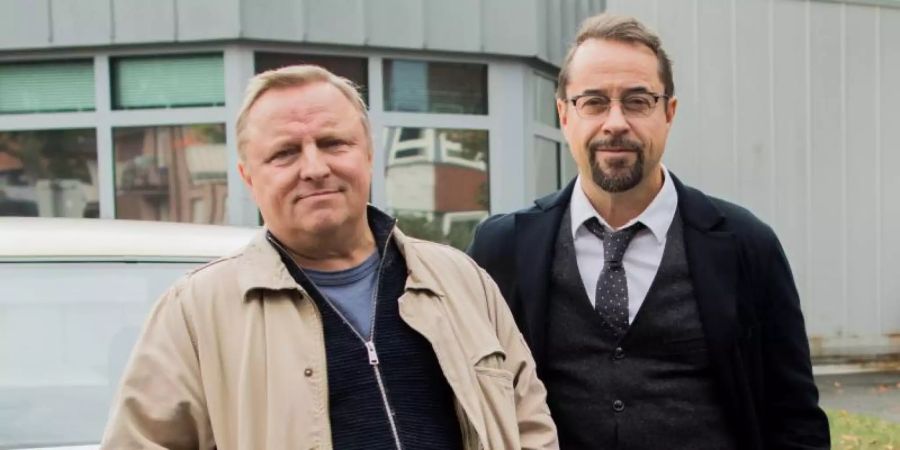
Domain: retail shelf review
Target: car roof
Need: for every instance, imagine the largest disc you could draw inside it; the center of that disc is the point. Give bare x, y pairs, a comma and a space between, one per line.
42, 239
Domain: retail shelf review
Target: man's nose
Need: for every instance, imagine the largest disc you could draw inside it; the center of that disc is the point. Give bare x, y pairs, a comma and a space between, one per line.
615, 122
313, 165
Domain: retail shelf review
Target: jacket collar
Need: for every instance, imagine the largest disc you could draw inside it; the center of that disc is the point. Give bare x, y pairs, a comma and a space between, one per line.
261, 266
697, 210
421, 274
556, 199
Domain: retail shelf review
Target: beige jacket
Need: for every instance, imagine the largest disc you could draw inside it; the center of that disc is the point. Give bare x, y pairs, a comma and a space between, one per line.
233, 357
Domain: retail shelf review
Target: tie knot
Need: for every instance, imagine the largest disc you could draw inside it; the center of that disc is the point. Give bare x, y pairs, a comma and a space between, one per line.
614, 242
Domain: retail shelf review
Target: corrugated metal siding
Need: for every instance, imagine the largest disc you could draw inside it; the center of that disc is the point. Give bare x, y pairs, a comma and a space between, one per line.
136, 21
78, 23
529, 28
790, 108
24, 23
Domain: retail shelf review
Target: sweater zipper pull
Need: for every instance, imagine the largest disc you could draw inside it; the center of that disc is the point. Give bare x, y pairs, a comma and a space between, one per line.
373, 357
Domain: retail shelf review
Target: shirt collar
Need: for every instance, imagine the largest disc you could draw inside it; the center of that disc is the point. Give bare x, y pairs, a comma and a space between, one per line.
657, 217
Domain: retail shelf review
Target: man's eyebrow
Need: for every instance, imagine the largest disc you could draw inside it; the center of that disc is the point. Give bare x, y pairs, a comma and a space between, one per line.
632, 90
593, 92
637, 90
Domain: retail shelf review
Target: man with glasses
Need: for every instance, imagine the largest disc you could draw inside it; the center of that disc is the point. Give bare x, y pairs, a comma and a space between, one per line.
659, 317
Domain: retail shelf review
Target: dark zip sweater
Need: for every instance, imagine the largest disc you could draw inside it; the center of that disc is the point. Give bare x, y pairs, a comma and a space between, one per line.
417, 392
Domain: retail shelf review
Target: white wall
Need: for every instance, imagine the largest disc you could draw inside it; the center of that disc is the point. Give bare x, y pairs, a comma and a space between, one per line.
792, 109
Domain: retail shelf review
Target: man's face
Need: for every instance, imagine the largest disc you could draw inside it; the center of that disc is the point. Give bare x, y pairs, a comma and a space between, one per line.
617, 150
307, 160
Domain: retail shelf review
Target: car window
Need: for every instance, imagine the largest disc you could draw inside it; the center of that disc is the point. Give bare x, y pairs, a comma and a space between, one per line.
66, 331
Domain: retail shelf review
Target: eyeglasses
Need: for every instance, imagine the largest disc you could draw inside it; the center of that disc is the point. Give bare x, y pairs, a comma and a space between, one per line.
641, 104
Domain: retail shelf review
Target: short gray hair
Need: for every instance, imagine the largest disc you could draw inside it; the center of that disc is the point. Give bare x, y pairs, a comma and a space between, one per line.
295, 76
618, 28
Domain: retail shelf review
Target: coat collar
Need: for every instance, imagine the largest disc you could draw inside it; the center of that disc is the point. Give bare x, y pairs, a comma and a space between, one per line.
261, 265
697, 210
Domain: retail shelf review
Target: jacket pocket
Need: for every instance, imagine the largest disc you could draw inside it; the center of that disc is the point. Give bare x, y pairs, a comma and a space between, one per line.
498, 402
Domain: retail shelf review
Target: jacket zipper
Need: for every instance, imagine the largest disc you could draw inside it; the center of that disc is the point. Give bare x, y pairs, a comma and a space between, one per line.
370, 343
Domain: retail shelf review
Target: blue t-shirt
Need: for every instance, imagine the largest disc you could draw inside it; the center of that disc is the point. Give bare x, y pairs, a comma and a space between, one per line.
350, 291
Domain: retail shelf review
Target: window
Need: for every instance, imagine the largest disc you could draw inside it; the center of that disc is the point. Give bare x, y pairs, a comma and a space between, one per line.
545, 101
55, 86
545, 166
567, 167
49, 173
353, 69
168, 81
443, 192
172, 173
437, 87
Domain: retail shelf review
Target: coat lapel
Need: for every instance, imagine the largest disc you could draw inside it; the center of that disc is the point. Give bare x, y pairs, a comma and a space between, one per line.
535, 238
714, 262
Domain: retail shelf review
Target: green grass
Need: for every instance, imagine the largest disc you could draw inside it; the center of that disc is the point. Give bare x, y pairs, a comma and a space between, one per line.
851, 431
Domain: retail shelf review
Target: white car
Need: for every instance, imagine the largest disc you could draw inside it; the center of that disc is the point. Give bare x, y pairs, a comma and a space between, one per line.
74, 294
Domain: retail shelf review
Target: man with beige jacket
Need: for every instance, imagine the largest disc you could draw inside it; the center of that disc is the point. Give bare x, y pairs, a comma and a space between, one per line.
331, 329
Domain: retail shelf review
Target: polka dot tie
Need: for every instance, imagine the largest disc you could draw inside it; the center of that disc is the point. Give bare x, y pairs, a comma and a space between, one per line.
612, 287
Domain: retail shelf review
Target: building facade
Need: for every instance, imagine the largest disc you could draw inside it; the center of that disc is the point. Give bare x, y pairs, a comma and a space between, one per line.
126, 109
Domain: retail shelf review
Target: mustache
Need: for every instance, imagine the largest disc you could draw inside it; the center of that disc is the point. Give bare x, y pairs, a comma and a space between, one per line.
618, 142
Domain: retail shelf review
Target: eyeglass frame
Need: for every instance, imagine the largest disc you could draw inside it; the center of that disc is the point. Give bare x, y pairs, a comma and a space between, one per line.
654, 95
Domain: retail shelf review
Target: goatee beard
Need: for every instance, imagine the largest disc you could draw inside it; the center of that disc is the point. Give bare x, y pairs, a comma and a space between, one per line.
617, 182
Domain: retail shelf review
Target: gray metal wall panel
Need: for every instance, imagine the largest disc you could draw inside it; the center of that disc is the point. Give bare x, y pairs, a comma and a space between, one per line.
556, 45
207, 19
517, 34
24, 23
827, 181
645, 10
542, 29
584, 8
85, 22
570, 21
716, 103
136, 21
753, 130
791, 143
539, 28
279, 20
454, 26
396, 23
861, 301
889, 123
677, 32
336, 21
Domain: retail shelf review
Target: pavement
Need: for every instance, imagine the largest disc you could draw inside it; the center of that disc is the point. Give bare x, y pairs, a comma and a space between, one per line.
873, 393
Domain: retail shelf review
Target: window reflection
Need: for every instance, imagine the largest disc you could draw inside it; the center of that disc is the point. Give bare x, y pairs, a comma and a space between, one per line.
545, 101
168, 81
47, 86
353, 69
545, 166
175, 173
437, 182
49, 173
438, 87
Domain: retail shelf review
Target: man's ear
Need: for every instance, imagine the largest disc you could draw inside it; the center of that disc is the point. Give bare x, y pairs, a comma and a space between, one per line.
562, 111
671, 106
245, 174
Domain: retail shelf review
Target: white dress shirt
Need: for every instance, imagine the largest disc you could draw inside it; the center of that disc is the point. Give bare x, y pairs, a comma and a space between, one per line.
643, 255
